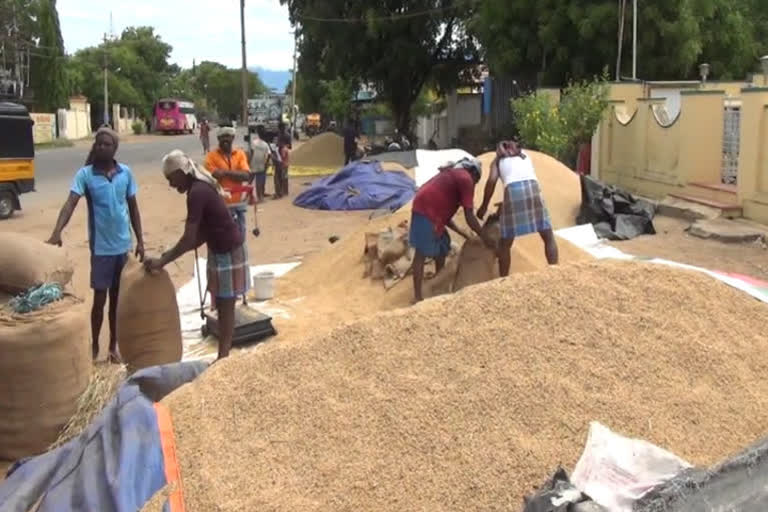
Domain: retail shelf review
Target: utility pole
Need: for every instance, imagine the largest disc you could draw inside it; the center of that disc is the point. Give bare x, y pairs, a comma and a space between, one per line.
634, 40
622, 10
244, 72
106, 85
293, 94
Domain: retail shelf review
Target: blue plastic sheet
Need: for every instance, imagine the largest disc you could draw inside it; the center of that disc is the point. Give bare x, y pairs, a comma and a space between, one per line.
359, 186
116, 465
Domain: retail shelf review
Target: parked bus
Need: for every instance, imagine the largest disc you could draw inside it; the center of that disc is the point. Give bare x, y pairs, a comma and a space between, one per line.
174, 116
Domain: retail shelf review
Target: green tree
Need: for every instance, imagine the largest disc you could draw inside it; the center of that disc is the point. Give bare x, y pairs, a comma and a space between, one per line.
559, 129
398, 46
49, 78
137, 64
557, 40
219, 87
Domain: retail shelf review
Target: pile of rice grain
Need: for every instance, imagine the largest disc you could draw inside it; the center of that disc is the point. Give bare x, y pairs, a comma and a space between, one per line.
329, 288
324, 150
468, 401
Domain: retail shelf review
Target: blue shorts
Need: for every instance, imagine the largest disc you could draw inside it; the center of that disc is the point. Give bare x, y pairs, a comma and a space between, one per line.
261, 178
106, 270
424, 239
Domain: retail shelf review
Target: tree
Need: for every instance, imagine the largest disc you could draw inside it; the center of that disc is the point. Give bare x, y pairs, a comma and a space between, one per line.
49, 78
138, 69
554, 41
398, 46
220, 87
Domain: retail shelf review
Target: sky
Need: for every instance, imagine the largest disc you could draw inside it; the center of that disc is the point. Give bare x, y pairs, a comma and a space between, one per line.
197, 29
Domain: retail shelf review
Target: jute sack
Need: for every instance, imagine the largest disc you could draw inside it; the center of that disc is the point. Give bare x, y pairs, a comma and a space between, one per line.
477, 263
148, 323
45, 365
26, 262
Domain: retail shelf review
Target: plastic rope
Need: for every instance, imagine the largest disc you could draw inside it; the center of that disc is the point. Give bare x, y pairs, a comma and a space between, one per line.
36, 297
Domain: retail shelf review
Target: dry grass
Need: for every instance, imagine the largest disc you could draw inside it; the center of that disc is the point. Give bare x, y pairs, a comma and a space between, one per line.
102, 387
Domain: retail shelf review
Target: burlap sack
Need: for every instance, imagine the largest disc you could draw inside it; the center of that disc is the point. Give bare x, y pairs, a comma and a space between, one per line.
26, 262
148, 323
45, 365
477, 263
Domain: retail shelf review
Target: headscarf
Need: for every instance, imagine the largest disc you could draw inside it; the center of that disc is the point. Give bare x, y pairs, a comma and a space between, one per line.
104, 130
472, 165
178, 160
225, 130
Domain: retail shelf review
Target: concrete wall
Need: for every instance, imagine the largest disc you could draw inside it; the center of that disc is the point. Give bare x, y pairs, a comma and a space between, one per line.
123, 118
463, 110
437, 124
75, 123
753, 164
44, 129
646, 155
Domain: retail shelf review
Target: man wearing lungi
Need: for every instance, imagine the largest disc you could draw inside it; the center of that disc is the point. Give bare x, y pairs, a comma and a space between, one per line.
434, 206
523, 210
208, 222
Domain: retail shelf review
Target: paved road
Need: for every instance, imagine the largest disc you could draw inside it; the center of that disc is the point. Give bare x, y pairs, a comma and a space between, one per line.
54, 168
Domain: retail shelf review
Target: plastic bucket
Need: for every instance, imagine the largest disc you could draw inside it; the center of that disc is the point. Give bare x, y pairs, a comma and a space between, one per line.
264, 285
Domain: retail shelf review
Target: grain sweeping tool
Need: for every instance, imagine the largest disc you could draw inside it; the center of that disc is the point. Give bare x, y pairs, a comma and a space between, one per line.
251, 326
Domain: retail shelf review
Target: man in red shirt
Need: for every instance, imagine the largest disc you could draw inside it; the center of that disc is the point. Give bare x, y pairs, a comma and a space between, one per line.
434, 206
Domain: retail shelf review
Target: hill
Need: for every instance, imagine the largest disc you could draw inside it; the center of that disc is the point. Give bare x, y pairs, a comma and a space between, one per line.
272, 78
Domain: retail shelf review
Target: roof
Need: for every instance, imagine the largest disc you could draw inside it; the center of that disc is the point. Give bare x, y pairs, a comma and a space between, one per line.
13, 109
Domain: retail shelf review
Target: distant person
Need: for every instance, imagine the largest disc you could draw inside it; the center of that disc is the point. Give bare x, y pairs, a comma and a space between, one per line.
110, 191
350, 142
434, 206
205, 136
277, 166
259, 156
208, 222
285, 160
523, 210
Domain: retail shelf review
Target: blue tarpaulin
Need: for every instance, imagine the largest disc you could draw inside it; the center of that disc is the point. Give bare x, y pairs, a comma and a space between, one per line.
359, 186
115, 465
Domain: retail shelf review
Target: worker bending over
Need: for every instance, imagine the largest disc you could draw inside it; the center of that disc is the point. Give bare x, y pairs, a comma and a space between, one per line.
523, 210
434, 206
208, 222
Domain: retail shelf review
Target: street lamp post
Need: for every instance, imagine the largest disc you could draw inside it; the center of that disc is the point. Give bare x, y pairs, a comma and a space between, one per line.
244, 72
106, 85
634, 40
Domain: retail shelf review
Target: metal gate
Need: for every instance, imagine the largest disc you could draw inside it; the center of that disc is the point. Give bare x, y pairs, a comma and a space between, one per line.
730, 168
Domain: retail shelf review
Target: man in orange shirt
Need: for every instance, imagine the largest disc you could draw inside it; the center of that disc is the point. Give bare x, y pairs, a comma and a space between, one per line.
230, 167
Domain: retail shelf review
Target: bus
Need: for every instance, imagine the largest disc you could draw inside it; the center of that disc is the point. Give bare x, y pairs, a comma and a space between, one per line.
174, 116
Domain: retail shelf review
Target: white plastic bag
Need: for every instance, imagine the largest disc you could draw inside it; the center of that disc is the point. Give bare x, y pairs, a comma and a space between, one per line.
615, 471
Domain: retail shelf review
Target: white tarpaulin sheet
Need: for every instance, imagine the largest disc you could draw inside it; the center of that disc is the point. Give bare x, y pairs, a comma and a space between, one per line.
431, 161
584, 237
188, 299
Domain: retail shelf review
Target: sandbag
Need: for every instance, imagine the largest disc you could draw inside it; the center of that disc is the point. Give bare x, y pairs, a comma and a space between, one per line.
45, 365
148, 324
26, 262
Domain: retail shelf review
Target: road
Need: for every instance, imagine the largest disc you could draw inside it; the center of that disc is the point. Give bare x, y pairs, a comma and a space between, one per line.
54, 168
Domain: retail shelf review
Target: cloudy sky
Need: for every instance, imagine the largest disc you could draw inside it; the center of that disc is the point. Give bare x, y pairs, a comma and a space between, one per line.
197, 29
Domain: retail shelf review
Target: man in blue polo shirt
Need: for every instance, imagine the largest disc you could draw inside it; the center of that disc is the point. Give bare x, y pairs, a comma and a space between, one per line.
110, 191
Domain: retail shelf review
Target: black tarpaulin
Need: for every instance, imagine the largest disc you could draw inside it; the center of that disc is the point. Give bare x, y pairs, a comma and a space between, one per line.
615, 213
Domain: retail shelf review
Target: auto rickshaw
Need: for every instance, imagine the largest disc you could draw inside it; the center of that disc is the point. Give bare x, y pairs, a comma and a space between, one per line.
17, 155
